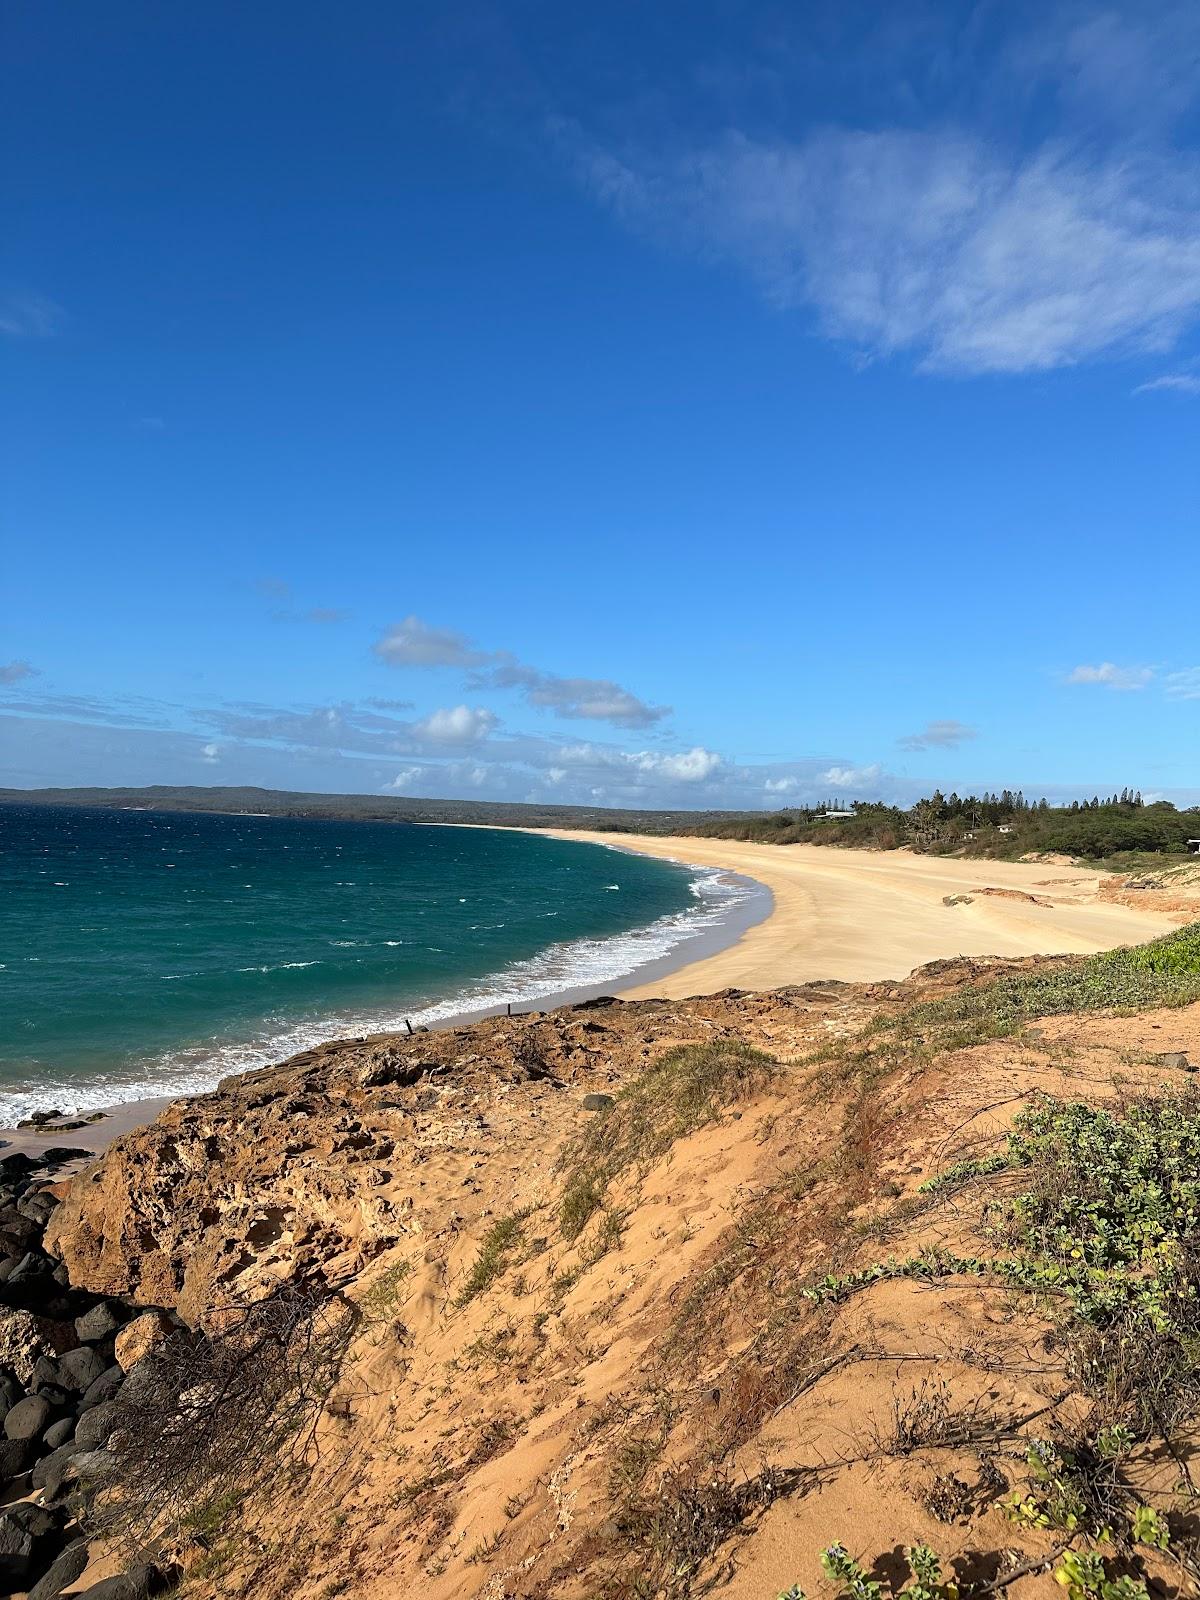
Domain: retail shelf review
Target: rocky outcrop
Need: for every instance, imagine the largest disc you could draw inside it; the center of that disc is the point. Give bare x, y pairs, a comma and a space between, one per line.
313, 1168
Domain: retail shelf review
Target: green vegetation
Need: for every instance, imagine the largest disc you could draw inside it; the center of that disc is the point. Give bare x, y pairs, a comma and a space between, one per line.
495, 1252
1082, 1574
1004, 825
1165, 972
683, 1090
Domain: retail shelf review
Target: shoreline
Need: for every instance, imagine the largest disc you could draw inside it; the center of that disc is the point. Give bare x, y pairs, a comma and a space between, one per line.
753, 905
863, 916
812, 912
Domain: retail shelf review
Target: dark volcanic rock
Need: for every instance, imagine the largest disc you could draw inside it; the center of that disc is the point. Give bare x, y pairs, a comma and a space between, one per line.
80, 1368
139, 1583
33, 1265
597, 1102
98, 1324
103, 1388
15, 1456
29, 1418
59, 1433
64, 1570
1176, 1059
50, 1473
93, 1428
17, 1164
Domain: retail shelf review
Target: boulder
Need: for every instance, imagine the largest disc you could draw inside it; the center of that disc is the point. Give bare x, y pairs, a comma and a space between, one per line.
59, 1433
17, 1164
145, 1333
1176, 1059
103, 1388
80, 1368
98, 1324
37, 1207
45, 1373
24, 1337
32, 1266
15, 1456
139, 1583
597, 1102
29, 1418
94, 1427
29, 1535
10, 1393
50, 1473
64, 1570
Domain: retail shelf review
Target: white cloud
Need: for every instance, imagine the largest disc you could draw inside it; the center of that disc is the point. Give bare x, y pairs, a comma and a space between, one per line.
687, 766
781, 785
935, 243
457, 725
404, 780
15, 671
853, 777
210, 752
1109, 676
1181, 382
1184, 685
413, 643
945, 734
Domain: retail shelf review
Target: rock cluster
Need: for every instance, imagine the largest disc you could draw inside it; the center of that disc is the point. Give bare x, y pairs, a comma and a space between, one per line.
59, 1380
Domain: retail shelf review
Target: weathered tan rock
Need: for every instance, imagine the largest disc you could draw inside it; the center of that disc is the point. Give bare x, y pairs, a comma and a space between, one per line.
137, 1338
24, 1337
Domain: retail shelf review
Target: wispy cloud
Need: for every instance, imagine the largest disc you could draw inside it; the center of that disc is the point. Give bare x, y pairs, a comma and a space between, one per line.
934, 243
1107, 675
942, 735
1181, 382
29, 316
1184, 685
16, 671
414, 643
210, 753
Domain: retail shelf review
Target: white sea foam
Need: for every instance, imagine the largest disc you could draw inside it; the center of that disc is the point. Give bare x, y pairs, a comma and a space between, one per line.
588, 965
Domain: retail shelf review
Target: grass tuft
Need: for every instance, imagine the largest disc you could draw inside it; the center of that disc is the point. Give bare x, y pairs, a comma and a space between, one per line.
683, 1090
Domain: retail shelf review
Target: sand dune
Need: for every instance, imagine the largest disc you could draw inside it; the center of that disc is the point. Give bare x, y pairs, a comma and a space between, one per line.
864, 914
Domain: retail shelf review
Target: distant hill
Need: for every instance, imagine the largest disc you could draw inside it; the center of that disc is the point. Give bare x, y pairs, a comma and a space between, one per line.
371, 808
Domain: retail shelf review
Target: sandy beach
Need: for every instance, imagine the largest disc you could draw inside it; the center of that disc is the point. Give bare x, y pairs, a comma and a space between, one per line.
861, 915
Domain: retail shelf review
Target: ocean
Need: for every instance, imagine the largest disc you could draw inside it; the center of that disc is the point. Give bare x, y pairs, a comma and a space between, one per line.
152, 953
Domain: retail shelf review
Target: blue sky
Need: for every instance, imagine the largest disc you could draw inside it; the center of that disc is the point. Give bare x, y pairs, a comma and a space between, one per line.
698, 404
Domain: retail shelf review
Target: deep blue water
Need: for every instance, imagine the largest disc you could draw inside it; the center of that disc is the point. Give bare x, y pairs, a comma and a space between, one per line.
148, 953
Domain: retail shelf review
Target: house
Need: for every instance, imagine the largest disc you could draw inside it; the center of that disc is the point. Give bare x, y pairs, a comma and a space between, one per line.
1194, 846
829, 816
1004, 828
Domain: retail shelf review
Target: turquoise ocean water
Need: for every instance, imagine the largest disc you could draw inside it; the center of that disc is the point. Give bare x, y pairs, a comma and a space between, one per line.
151, 953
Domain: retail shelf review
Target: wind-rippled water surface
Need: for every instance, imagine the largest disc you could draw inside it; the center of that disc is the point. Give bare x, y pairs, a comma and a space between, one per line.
152, 953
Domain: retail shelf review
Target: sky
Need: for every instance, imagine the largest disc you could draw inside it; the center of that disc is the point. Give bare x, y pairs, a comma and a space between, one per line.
703, 404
